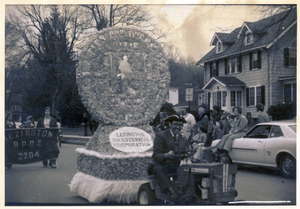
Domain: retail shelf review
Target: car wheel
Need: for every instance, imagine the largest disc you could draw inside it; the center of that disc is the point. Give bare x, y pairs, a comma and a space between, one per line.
288, 166
146, 196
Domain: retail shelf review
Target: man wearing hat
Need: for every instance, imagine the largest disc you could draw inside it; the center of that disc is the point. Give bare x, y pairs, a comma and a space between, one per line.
166, 144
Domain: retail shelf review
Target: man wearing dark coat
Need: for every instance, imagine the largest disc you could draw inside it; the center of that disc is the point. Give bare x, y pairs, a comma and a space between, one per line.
166, 144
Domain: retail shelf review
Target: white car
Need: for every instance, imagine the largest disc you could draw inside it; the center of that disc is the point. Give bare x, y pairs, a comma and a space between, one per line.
271, 144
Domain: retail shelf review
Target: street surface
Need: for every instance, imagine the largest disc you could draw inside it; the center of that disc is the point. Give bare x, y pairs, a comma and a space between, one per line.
32, 184
263, 184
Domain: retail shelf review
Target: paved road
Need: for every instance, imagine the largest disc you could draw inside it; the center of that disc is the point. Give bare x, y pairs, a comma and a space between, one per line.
262, 184
32, 184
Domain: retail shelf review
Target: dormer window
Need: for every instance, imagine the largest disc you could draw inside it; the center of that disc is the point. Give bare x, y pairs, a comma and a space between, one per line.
248, 38
219, 47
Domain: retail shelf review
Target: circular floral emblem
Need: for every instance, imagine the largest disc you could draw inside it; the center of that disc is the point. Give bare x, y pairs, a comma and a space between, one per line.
123, 76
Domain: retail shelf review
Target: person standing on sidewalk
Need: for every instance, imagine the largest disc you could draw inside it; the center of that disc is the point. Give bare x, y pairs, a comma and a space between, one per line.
9, 124
48, 122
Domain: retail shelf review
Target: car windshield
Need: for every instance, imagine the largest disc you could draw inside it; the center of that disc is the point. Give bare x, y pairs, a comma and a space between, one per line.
294, 128
260, 131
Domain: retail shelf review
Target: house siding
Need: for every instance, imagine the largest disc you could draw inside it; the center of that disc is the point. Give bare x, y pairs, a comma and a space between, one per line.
272, 67
277, 67
253, 78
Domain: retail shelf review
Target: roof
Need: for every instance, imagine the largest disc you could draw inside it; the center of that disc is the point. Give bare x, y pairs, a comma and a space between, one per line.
224, 81
269, 29
226, 37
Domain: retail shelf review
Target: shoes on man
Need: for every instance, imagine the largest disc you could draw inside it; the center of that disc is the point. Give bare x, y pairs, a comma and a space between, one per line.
53, 165
170, 192
195, 160
225, 158
45, 166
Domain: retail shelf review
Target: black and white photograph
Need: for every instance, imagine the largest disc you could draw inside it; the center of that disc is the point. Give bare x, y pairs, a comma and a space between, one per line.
130, 103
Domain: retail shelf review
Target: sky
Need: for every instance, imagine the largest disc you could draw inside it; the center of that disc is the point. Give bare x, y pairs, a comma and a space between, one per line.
191, 27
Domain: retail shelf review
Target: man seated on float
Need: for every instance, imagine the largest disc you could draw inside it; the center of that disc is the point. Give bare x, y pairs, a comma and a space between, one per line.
166, 144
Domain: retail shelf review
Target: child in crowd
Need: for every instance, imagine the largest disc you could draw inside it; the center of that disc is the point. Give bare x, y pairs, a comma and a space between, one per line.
200, 138
198, 143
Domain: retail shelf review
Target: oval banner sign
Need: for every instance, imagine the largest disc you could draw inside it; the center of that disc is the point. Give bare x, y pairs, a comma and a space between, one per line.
130, 139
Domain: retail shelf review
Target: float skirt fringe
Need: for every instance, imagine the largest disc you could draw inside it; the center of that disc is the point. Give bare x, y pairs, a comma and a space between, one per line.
97, 190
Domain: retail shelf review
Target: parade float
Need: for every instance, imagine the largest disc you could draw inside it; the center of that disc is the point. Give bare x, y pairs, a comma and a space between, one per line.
123, 79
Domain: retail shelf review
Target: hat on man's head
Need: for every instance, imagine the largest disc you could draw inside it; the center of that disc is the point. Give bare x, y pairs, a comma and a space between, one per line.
172, 118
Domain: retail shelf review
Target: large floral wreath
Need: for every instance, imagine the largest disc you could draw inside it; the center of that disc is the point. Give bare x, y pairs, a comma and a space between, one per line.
123, 76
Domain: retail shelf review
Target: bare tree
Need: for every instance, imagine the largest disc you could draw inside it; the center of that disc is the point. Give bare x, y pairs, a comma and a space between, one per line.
172, 52
49, 34
102, 16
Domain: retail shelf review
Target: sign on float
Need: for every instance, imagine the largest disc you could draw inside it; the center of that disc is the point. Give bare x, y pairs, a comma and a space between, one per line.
130, 139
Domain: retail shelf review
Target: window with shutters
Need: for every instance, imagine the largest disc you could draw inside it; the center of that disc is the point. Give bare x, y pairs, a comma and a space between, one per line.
258, 94
214, 69
239, 98
290, 92
255, 95
236, 98
233, 65
290, 57
252, 96
255, 60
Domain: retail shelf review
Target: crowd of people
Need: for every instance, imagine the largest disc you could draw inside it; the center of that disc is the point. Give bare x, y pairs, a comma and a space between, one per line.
207, 125
183, 131
47, 121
